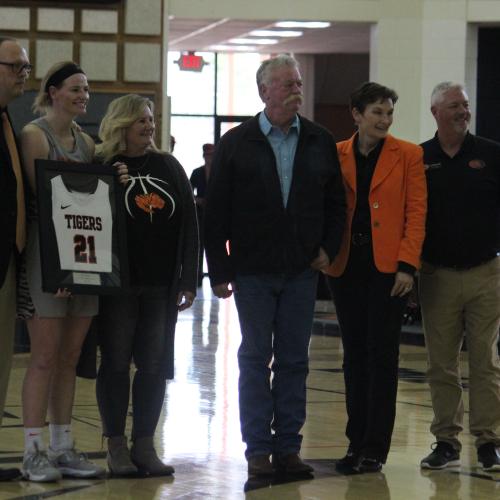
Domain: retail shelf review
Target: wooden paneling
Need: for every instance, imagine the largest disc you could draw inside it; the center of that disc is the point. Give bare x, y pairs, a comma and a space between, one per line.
336, 118
118, 86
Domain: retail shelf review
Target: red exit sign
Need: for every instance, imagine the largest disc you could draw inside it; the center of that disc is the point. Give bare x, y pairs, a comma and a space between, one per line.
190, 62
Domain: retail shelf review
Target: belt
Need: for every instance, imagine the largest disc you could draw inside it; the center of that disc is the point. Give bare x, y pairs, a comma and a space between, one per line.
464, 267
360, 239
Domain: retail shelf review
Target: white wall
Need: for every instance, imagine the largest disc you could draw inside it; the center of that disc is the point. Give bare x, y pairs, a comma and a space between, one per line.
414, 43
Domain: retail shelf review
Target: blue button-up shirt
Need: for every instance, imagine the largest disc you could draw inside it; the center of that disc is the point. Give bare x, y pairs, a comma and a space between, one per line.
284, 147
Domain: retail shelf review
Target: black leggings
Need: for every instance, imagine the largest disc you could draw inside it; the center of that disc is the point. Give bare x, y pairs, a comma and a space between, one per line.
131, 327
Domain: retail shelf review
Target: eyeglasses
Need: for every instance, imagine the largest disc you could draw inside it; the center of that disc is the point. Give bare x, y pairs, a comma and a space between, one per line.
18, 68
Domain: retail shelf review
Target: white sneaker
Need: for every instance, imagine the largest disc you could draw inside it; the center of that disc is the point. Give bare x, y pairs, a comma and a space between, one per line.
74, 463
37, 467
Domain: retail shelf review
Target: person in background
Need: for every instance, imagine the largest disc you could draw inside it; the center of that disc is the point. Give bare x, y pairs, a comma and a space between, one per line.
373, 273
199, 181
57, 323
276, 195
460, 280
162, 236
14, 71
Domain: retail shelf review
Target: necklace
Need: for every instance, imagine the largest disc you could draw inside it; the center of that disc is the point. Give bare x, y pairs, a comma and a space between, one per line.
137, 162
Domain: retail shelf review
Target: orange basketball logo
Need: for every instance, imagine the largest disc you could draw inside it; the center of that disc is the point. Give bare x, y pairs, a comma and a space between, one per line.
149, 202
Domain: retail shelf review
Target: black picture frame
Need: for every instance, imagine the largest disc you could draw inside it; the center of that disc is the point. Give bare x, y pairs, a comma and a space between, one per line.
83, 243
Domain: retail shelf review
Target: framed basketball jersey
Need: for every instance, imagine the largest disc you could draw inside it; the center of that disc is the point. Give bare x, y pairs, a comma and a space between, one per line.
81, 228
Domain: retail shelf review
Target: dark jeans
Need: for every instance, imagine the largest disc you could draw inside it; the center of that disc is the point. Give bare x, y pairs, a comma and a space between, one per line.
131, 327
275, 313
201, 252
370, 323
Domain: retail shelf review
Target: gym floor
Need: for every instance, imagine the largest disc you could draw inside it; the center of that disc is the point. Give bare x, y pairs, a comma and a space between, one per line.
199, 429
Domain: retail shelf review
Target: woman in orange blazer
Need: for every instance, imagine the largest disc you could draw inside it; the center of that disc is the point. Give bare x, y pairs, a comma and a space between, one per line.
373, 273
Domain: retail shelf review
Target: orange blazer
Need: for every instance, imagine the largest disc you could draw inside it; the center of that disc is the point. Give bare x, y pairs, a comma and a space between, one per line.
398, 205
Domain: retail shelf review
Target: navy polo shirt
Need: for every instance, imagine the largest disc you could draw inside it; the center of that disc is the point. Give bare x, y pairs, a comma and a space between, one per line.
463, 216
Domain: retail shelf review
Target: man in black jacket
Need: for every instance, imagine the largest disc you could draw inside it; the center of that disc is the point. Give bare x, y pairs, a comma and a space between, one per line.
199, 180
14, 70
276, 195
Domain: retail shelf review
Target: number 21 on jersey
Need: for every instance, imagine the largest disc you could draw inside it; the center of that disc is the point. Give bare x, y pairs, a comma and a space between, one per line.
84, 249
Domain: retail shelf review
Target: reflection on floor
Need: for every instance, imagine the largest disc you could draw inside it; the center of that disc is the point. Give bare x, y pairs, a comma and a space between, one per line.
199, 431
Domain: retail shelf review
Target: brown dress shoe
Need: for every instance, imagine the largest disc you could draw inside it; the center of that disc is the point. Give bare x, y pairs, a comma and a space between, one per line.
291, 464
259, 465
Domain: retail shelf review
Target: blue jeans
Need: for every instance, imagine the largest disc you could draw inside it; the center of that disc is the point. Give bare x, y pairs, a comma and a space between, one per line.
275, 313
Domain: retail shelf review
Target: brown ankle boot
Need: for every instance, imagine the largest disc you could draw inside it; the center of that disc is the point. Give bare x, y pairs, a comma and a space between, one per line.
145, 458
118, 457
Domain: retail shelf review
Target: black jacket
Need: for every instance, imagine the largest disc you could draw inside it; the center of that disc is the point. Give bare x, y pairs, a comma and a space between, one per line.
198, 180
244, 204
8, 207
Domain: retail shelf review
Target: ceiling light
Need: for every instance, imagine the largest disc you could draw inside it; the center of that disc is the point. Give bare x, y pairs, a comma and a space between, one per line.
233, 48
281, 33
302, 24
257, 41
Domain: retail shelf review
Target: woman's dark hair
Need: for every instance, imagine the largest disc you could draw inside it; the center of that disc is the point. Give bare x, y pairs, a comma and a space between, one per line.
370, 92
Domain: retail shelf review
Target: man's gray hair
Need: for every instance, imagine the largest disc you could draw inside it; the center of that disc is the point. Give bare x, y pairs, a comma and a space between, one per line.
441, 88
269, 65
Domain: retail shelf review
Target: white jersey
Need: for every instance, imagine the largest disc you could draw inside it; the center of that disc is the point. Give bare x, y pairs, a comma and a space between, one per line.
83, 224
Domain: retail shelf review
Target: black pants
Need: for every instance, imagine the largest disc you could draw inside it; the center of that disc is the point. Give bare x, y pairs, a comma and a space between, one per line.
131, 327
370, 323
201, 236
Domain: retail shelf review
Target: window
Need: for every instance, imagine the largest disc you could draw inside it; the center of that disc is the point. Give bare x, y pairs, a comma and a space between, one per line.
204, 103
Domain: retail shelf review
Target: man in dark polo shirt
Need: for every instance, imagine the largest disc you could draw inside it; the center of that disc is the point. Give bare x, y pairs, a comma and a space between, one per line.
460, 280
14, 70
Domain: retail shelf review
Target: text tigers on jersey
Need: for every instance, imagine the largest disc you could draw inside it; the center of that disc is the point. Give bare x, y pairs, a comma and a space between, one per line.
86, 222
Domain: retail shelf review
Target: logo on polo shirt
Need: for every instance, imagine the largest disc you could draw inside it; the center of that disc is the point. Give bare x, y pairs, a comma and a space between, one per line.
477, 164
432, 166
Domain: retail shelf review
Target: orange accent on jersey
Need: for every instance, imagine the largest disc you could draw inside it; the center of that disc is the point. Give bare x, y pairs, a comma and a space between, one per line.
148, 202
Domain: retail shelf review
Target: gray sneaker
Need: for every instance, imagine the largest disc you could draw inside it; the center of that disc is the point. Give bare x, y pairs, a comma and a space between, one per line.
74, 463
37, 467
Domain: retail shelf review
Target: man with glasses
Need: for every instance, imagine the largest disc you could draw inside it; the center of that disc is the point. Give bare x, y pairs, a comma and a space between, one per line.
14, 70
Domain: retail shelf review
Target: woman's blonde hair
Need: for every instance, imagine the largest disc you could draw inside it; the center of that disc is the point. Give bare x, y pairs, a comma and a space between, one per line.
122, 112
43, 100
